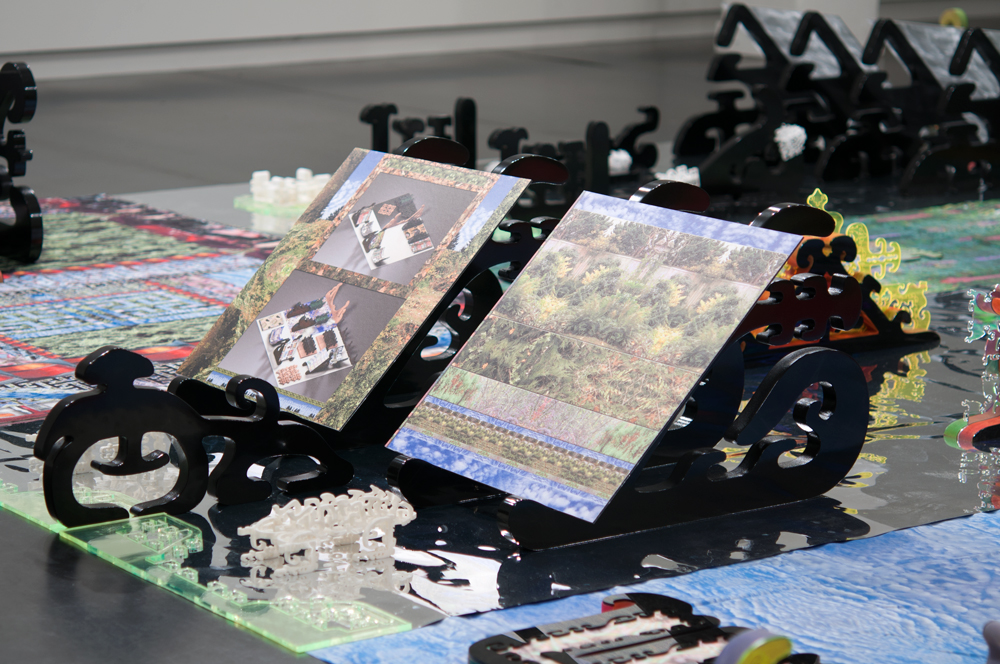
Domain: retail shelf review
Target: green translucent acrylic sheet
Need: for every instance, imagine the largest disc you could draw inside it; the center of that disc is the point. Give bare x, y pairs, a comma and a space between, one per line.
30, 505
155, 547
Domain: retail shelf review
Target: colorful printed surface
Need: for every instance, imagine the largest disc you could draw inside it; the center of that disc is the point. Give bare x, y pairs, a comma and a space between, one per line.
113, 273
566, 384
917, 595
948, 246
392, 234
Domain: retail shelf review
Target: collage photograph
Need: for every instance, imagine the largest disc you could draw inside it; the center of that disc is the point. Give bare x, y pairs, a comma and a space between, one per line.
309, 334
393, 228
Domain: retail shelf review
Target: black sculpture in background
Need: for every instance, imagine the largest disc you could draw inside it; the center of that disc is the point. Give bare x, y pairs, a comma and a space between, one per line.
818, 84
821, 107
22, 239
463, 121
587, 161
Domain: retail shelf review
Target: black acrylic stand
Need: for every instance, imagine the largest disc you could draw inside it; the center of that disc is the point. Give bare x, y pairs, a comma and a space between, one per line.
749, 160
22, 239
247, 415
696, 486
679, 479
118, 410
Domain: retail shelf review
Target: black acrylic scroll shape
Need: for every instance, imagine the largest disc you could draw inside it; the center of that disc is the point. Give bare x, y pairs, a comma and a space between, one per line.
118, 410
630, 610
680, 479
696, 486
22, 239
463, 307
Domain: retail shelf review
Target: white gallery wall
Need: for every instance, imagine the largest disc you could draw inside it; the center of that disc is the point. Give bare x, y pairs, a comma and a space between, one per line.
68, 38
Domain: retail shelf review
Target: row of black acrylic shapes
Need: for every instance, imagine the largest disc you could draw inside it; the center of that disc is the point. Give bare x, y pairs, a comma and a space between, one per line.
817, 76
20, 239
462, 121
680, 478
247, 415
960, 155
588, 161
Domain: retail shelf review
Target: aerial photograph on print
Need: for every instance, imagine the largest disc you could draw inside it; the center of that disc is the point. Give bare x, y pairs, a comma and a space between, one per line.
307, 334
593, 349
392, 228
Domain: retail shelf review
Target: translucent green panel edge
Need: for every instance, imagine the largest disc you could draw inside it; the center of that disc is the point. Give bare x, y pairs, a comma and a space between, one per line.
154, 548
28, 505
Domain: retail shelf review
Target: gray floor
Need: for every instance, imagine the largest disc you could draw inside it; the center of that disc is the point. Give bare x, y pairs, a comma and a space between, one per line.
167, 131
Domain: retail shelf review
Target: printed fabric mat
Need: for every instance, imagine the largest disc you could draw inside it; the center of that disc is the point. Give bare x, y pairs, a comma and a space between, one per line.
151, 281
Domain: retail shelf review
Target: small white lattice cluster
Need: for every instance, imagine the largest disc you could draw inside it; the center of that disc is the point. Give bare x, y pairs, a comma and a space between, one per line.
276, 190
343, 544
791, 140
682, 173
619, 162
366, 519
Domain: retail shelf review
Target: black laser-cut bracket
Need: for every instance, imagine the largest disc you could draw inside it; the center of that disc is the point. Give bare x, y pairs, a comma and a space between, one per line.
116, 409
696, 486
119, 411
21, 240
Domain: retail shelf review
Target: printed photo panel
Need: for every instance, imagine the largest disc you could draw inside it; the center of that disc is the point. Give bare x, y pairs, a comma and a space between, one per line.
592, 351
349, 285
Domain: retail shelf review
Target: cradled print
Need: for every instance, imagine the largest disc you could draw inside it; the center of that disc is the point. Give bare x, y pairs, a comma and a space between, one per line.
565, 386
353, 280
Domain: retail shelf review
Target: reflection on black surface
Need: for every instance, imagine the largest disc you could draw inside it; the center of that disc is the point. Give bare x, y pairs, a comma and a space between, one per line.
906, 476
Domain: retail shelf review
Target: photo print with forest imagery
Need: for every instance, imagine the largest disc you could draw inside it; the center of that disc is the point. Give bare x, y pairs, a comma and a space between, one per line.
592, 350
353, 280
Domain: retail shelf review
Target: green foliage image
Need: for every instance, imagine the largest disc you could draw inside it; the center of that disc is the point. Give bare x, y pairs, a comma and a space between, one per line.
668, 300
541, 458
